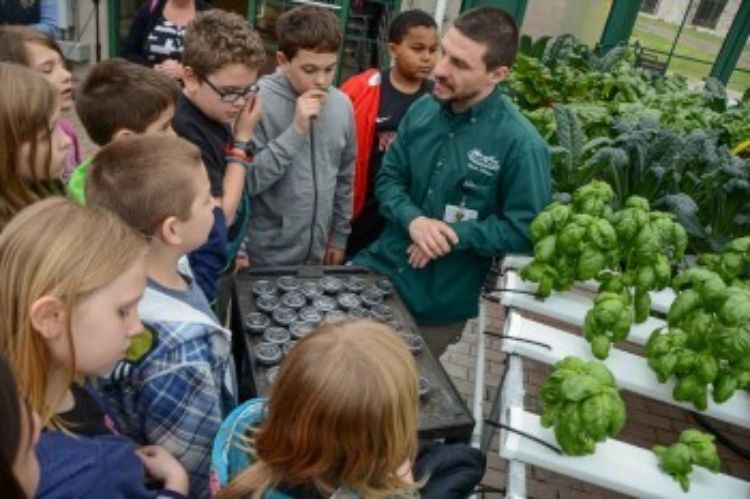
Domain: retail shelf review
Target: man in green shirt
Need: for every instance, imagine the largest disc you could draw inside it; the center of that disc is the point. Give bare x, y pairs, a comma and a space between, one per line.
465, 176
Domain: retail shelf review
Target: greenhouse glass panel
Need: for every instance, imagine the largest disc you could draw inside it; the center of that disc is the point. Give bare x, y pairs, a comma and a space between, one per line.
583, 18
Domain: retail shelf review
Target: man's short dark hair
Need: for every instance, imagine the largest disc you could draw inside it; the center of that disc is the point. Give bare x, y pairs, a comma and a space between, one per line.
118, 94
308, 28
407, 20
494, 28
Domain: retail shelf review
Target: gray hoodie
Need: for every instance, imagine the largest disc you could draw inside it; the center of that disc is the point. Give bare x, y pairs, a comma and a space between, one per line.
296, 210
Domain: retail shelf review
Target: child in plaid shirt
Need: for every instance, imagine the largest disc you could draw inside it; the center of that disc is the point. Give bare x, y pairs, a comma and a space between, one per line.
178, 381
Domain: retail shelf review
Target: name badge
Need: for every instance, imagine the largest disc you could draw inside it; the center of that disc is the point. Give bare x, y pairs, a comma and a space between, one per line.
454, 214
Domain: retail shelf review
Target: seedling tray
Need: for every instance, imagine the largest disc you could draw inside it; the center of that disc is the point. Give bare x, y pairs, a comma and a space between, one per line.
442, 412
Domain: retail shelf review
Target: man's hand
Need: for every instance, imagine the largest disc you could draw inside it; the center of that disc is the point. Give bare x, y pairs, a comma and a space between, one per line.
434, 237
248, 119
333, 256
308, 107
417, 258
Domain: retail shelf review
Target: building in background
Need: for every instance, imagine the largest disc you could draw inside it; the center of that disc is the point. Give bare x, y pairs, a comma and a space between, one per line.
713, 15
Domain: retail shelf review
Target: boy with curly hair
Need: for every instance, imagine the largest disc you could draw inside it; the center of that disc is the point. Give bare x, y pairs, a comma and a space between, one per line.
218, 111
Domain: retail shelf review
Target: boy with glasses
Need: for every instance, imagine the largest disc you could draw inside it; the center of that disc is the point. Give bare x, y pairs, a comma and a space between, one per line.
218, 111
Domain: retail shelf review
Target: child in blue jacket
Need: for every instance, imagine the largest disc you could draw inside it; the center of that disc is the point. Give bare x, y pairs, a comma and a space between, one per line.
71, 278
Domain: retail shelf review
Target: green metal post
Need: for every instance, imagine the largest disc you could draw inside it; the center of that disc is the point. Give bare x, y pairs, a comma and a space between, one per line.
113, 27
343, 15
516, 8
677, 36
252, 12
733, 44
620, 22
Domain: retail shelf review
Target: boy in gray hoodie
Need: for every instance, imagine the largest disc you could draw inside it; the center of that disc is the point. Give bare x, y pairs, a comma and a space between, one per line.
300, 179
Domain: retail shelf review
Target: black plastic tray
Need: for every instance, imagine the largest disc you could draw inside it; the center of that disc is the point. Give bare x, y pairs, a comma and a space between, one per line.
442, 414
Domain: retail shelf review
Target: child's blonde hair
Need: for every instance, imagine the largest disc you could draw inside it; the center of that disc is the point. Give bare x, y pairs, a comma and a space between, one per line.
55, 248
342, 412
27, 103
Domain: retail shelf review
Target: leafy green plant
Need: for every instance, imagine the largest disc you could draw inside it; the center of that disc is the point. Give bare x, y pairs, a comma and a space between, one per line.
707, 341
581, 400
630, 252
533, 48
610, 318
693, 448
573, 242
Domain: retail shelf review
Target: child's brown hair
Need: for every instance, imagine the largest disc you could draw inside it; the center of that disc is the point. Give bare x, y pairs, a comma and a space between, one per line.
118, 94
145, 179
14, 41
342, 412
216, 38
308, 28
27, 104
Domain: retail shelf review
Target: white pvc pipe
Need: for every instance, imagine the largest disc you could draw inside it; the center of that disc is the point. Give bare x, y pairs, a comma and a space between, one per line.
477, 412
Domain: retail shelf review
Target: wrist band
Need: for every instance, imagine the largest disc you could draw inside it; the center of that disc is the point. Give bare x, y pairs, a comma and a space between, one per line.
241, 144
245, 162
235, 152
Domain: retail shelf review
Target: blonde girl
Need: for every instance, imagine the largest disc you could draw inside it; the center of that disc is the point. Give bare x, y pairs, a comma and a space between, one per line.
341, 419
32, 147
70, 281
41, 53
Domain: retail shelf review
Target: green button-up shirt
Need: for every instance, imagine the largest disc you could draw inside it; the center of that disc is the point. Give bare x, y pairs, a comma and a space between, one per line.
488, 158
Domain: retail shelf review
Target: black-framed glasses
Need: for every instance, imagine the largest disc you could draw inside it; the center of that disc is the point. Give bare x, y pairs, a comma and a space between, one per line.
232, 96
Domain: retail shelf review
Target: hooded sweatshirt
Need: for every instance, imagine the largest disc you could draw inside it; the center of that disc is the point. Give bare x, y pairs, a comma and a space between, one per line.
178, 382
300, 184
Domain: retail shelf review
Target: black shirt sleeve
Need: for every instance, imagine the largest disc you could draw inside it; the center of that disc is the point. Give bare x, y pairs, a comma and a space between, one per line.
132, 46
210, 138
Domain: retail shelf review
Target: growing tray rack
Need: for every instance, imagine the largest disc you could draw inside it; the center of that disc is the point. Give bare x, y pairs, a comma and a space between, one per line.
442, 412
616, 465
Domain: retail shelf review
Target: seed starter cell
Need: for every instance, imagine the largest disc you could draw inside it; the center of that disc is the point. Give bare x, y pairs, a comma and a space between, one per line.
300, 329
355, 284
264, 287
293, 300
267, 303
310, 314
349, 301
324, 304
284, 316
288, 283
277, 335
267, 354
256, 322
330, 284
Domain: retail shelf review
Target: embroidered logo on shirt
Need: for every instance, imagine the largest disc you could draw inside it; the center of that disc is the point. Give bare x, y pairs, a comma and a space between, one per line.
487, 165
382, 119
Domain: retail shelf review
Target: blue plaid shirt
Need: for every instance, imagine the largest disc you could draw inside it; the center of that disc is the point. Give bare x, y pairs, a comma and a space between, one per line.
177, 394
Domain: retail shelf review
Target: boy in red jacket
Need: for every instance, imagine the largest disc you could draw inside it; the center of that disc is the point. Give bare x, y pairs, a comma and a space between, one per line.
380, 100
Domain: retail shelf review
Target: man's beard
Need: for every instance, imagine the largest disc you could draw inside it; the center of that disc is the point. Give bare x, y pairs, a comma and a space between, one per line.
457, 97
